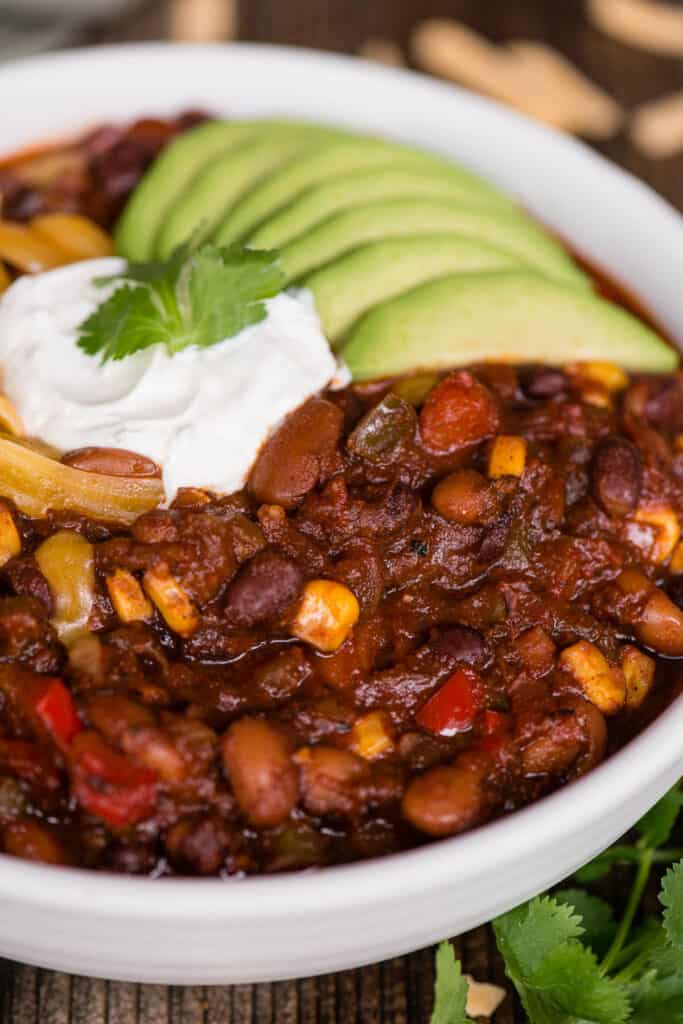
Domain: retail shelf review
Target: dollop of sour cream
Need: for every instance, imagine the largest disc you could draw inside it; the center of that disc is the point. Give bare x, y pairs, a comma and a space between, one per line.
201, 414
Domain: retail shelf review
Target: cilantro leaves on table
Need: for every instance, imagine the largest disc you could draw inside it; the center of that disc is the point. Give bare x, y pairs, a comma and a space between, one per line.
551, 944
198, 296
450, 989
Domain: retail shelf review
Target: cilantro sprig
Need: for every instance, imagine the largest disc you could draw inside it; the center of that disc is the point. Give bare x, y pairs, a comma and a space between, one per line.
199, 296
568, 958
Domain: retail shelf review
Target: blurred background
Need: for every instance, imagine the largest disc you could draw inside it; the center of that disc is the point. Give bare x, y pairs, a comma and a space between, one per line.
610, 70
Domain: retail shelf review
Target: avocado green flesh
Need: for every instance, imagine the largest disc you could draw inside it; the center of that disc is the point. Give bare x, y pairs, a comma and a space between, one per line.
338, 158
167, 178
365, 277
508, 316
225, 179
355, 189
510, 231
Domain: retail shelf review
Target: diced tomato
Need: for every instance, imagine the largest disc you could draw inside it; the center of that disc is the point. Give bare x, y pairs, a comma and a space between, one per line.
108, 785
458, 412
454, 707
57, 711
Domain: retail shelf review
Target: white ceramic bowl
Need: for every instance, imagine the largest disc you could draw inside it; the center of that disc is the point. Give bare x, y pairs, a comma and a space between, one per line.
204, 931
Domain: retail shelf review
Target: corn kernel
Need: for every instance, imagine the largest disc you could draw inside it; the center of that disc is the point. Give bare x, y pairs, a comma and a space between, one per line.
607, 375
676, 563
596, 396
78, 236
668, 530
130, 603
174, 604
327, 613
10, 420
5, 279
602, 684
370, 736
10, 540
639, 673
508, 456
27, 250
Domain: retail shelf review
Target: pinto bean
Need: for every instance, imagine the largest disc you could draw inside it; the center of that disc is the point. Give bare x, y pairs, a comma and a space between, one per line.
290, 463
257, 762
111, 462
616, 476
446, 800
661, 625
264, 587
329, 780
31, 840
466, 497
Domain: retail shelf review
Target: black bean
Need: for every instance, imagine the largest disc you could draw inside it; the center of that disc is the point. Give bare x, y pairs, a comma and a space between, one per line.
263, 588
543, 382
616, 476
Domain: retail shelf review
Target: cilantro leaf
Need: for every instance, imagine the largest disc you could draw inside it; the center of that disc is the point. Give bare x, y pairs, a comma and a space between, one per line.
597, 917
657, 997
558, 979
656, 826
450, 989
526, 934
671, 898
569, 978
198, 296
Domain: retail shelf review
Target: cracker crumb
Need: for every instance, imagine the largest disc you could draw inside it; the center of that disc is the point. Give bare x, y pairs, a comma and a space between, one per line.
483, 999
383, 51
202, 21
657, 127
644, 24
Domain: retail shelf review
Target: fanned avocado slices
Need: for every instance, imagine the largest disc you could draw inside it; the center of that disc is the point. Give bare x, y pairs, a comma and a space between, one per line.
333, 161
168, 176
387, 182
225, 179
347, 288
508, 230
513, 316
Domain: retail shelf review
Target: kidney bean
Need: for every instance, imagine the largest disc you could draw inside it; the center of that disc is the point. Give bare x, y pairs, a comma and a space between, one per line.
264, 587
616, 476
290, 463
330, 779
263, 777
458, 412
446, 800
113, 715
281, 676
111, 462
466, 497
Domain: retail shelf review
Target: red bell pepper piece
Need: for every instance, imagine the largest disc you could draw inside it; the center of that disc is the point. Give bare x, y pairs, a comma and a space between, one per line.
107, 785
57, 711
454, 707
494, 725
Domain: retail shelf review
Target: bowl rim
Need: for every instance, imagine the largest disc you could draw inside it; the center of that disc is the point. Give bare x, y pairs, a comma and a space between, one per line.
654, 753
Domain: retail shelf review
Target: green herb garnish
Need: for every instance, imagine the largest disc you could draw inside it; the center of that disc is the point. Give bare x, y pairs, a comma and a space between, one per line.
198, 296
551, 945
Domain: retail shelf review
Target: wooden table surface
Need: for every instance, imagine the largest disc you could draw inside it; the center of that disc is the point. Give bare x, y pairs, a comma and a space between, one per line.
398, 991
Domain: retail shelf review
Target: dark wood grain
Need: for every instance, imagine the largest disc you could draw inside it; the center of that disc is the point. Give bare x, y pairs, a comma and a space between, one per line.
398, 991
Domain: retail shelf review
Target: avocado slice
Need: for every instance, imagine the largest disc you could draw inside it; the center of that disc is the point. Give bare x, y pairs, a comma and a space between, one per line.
365, 277
167, 178
338, 194
224, 179
508, 230
513, 316
338, 158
